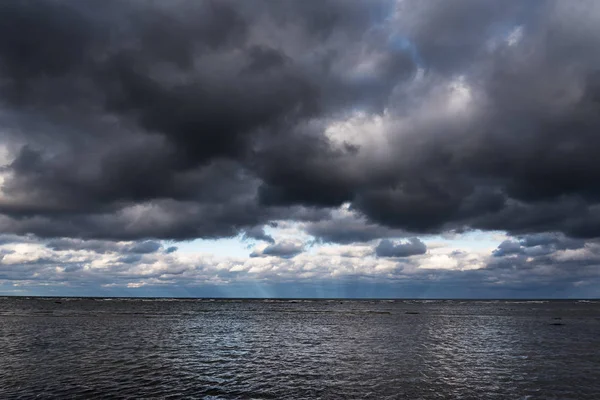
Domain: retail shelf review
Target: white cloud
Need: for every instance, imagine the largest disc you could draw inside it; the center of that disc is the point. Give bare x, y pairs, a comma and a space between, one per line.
515, 36
32, 263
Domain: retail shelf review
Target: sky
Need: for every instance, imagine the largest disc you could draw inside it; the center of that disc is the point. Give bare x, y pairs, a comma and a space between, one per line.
334, 148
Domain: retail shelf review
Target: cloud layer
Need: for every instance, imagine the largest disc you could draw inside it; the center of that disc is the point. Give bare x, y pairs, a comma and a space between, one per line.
537, 268
387, 248
201, 119
127, 121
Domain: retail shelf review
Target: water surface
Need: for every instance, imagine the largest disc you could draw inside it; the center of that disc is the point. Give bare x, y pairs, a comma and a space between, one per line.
329, 349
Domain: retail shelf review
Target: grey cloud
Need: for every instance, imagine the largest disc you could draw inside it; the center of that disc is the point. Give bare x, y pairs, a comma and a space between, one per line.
188, 119
130, 258
505, 163
548, 266
413, 247
97, 246
349, 230
171, 249
10, 239
285, 249
164, 107
258, 233
536, 245
102, 246
508, 247
572, 271
144, 247
73, 268
556, 240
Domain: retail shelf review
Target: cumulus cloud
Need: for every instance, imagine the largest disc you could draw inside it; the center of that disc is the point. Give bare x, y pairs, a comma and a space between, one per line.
387, 248
258, 233
347, 226
546, 260
538, 244
103, 246
448, 268
284, 249
216, 118
359, 121
171, 249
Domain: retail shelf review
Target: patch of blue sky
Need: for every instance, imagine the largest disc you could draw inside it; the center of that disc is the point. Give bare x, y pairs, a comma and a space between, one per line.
473, 240
225, 247
401, 43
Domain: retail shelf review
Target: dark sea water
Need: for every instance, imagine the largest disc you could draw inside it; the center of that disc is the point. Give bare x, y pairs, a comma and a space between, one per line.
329, 349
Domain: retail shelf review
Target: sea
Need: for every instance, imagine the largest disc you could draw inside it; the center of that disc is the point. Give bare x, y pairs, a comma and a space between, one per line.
88, 348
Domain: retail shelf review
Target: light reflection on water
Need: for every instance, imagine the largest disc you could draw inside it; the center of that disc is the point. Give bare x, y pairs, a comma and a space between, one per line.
321, 349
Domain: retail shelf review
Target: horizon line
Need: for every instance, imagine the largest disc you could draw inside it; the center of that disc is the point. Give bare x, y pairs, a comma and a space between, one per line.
310, 298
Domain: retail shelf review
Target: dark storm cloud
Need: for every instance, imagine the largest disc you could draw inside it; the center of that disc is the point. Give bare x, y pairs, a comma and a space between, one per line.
132, 120
349, 230
283, 249
156, 103
538, 244
102, 246
413, 247
258, 233
508, 247
144, 247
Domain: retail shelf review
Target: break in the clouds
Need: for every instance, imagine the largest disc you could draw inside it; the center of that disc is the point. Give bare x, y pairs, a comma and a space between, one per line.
546, 269
125, 125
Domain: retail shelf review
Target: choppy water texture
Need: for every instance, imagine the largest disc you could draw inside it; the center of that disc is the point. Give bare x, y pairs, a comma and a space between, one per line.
255, 349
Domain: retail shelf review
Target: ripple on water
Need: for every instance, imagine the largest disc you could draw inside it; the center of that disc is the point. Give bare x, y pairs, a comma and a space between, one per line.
86, 348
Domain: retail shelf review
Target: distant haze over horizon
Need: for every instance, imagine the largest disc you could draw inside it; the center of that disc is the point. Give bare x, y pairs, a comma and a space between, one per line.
323, 149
